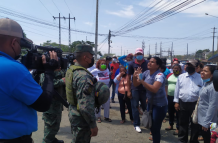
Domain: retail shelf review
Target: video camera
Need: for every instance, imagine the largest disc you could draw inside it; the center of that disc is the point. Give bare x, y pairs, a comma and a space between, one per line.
33, 59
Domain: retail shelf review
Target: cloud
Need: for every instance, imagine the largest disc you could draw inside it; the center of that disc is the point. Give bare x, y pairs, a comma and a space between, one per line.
109, 25
89, 23
126, 11
210, 7
199, 10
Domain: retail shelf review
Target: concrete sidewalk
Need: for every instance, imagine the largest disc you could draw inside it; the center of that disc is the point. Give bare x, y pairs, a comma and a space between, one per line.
109, 132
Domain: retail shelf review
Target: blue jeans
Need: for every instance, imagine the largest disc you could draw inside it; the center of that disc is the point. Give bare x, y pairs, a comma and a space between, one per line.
158, 114
113, 88
137, 95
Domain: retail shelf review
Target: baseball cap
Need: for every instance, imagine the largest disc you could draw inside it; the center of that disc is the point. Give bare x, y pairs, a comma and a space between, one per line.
108, 58
192, 62
84, 48
11, 28
175, 59
129, 56
139, 50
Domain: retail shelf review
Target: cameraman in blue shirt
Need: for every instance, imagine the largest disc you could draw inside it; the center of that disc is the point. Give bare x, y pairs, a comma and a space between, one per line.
20, 95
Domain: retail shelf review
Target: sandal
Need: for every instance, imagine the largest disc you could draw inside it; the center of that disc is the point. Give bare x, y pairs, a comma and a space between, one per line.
200, 138
122, 121
169, 128
99, 120
150, 138
108, 119
127, 111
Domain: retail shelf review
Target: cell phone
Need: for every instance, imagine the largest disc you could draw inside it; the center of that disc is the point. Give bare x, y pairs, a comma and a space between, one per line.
140, 76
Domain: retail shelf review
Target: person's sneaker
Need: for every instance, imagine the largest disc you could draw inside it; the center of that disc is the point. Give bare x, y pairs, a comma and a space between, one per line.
137, 128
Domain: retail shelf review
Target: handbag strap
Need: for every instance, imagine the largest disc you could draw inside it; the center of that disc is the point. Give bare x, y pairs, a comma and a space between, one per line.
123, 84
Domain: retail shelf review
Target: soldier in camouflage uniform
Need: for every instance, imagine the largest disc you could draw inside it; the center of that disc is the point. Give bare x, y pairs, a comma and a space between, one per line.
52, 117
80, 86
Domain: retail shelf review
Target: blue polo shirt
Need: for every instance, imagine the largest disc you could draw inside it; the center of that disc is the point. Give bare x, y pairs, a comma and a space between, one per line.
131, 69
18, 90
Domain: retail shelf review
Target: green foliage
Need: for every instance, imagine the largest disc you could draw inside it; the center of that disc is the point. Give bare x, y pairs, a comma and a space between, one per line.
66, 48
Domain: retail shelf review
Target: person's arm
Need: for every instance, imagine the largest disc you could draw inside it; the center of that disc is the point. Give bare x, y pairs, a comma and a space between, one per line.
166, 86
213, 98
59, 82
43, 103
166, 90
121, 60
86, 99
176, 92
152, 88
117, 72
136, 82
117, 79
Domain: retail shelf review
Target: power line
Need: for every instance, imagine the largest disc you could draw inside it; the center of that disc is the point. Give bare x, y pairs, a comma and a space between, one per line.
56, 6
45, 8
68, 7
43, 22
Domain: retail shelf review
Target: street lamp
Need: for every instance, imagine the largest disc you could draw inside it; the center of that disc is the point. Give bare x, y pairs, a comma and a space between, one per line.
211, 15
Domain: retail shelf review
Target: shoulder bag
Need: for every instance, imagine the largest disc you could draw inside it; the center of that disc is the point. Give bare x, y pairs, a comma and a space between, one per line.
147, 116
195, 113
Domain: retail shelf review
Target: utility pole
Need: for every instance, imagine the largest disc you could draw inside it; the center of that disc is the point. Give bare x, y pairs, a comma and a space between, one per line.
214, 31
60, 28
96, 31
217, 44
109, 41
155, 49
171, 53
160, 49
187, 51
70, 30
149, 50
143, 47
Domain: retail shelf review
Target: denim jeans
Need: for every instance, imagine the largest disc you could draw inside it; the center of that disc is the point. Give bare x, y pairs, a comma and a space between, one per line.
158, 114
137, 95
113, 88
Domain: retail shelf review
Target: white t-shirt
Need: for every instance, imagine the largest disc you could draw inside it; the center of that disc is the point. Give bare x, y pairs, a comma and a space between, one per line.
92, 68
102, 76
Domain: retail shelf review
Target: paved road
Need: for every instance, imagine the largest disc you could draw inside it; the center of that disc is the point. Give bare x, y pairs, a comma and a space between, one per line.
112, 132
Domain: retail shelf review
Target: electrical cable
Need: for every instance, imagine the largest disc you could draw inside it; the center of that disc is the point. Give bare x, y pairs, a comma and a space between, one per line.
56, 6
45, 8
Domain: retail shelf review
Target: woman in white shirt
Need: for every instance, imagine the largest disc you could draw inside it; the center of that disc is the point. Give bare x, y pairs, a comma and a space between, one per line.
101, 73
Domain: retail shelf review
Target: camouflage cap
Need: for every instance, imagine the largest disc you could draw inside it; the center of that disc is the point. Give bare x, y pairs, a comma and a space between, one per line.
84, 48
103, 92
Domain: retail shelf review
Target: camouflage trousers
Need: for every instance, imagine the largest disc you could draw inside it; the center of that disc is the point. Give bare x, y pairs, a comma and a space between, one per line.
79, 127
52, 119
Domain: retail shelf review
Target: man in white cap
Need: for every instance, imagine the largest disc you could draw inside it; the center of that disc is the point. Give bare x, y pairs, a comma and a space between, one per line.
186, 95
20, 95
137, 93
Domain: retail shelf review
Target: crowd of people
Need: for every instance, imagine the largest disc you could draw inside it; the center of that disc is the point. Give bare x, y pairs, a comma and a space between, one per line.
176, 91
184, 91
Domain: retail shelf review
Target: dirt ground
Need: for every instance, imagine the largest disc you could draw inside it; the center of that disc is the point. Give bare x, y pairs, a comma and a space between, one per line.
112, 132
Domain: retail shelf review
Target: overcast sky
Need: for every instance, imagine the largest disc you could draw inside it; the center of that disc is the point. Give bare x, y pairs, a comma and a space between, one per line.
112, 15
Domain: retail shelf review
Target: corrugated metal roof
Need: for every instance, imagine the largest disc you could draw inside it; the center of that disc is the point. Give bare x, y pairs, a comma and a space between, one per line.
213, 58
